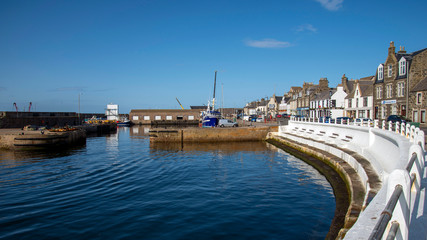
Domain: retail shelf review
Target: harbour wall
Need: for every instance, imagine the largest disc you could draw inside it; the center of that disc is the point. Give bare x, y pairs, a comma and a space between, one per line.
239, 134
15, 139
384, 159
51, 119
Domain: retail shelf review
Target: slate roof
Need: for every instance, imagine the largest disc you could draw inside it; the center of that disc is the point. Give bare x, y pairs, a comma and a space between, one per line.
366, 88
323, 95
421, 86
278, 99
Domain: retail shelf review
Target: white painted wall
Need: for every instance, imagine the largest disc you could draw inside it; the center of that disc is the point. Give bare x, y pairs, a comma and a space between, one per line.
389, 153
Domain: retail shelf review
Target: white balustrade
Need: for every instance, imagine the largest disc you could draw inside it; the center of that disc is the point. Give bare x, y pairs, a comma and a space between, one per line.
389, 152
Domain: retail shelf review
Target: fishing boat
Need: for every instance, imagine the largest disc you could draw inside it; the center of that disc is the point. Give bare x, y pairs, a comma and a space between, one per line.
124, 123
210, 117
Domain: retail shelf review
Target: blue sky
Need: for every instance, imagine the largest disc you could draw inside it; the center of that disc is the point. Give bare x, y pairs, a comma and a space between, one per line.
144, 54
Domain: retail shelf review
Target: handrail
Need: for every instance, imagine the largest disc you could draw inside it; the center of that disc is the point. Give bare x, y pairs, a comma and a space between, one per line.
381, 225
411, 162
393, 230
398, 182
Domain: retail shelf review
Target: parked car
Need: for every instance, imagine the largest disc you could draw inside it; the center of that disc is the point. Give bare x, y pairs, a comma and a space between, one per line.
343, 120
325, 119
227, 123
363, 121
397, 118
278, 116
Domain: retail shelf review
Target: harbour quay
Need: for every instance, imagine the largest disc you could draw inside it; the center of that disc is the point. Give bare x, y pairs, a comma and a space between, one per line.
19, 139
10, 119
206, 135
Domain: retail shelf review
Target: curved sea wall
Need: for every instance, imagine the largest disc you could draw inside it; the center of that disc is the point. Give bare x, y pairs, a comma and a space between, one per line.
388, 164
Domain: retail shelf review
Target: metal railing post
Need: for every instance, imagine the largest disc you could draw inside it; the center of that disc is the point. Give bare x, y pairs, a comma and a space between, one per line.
385, 217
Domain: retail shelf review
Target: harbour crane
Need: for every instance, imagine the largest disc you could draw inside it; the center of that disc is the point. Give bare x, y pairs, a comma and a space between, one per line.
179, 103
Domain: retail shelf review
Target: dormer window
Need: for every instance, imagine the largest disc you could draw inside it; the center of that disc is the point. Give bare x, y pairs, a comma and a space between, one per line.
380, 72
390, 70
402, 66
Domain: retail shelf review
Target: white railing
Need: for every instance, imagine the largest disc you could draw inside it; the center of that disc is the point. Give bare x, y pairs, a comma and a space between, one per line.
397, 153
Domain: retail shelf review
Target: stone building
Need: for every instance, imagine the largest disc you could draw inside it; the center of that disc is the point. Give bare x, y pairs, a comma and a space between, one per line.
418, 86
392, 87
273, 106
165, 116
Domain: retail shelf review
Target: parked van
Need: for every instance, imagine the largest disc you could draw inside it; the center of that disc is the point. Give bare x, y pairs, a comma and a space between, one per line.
227, 123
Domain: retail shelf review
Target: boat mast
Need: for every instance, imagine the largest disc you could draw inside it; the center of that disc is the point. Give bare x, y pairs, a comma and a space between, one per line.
213, 102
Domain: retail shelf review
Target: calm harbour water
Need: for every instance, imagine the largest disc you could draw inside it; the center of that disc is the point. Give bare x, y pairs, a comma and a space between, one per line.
120, 187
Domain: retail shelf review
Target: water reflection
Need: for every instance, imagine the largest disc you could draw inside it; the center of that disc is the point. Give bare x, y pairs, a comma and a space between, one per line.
308, 173
226, 148
9, 158
139, 131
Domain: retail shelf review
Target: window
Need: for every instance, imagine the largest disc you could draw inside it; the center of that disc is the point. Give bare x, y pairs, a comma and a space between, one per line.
380, 72
383, 112
376, 112
423, 116
365, 101
401, 89
394, 110
179, 118
402, 66
349, 103
403, 110
390, 70
379, 92
362, 114
419, 98
146, 118
190, 117
334, 103
135, 118
168, 117
415, 118
158, 118
389, 92
357, 102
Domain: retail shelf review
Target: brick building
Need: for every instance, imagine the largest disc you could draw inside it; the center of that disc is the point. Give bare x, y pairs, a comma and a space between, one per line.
166, 116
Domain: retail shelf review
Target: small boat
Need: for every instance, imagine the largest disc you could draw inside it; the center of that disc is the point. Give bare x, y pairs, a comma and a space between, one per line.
124, 123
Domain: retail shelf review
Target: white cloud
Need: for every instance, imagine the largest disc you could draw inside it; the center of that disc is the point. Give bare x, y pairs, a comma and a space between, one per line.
267, 43
306, 27
331, 5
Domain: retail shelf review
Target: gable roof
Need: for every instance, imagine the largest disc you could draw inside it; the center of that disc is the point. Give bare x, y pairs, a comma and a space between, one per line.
366, 88
421, 86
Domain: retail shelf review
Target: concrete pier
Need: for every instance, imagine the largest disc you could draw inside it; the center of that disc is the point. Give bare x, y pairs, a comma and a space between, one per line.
14, 139
239, 134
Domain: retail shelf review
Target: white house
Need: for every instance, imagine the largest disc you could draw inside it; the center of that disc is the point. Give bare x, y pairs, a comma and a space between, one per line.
338, 102
320, 105
359, 102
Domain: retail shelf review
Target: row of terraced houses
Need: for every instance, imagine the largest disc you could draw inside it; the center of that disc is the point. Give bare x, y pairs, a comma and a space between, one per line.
399, 87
